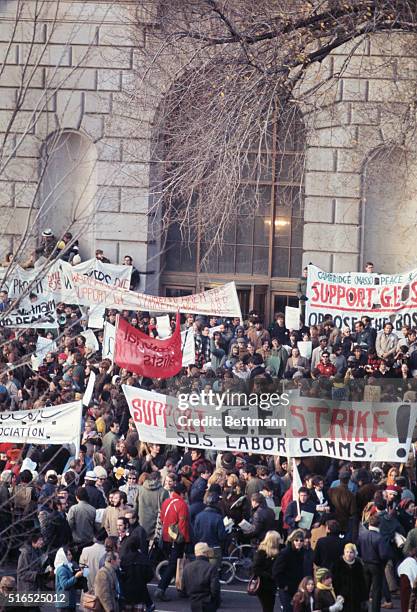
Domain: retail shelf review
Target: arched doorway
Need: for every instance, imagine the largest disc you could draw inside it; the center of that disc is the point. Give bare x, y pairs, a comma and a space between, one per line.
69, 186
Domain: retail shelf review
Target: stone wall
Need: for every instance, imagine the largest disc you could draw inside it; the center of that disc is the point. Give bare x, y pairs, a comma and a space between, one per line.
371, 106
71, 78
74, 67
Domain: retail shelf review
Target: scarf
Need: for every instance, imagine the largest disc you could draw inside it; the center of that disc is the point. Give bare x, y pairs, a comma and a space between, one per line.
323, 587
349, 562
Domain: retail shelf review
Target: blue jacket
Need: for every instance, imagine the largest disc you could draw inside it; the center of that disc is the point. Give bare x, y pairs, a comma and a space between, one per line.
65, 581
372, 547
209, 527
198, 488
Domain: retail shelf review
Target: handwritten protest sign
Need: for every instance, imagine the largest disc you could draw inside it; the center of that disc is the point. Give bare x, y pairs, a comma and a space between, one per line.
349, 296
50, 425
303, 427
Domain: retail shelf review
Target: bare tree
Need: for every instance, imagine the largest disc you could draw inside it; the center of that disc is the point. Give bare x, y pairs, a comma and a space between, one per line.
227, 71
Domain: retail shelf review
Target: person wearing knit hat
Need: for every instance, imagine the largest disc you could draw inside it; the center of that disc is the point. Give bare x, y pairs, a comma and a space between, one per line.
325, 596
349, 579
392, 494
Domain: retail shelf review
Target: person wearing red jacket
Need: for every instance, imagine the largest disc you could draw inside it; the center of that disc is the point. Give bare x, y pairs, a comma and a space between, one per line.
175, 519
325, 368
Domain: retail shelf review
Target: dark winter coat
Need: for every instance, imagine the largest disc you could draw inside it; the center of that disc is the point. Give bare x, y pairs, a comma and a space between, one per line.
201, 584
324, 599
198, 488
209, 527
263, 520
29, 568
54, 529
95, 496
328, 550
262, 567
349, 581
136, 572
344, 504
288, 569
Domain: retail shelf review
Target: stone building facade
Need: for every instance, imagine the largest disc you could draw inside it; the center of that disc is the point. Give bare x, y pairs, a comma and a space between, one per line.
72, 149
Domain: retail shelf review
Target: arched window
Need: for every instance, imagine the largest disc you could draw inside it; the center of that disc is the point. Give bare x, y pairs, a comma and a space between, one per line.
269, 242
390, 210
69, 187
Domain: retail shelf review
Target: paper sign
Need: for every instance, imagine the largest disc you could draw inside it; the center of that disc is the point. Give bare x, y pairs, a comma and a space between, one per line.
187, 347
163, 327
108, 341
305, 348
292, 317
90, 339
88, 394
96, 317
306, 520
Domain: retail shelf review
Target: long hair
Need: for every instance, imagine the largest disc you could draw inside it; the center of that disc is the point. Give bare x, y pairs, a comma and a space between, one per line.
217, 476
270, 544
302, 593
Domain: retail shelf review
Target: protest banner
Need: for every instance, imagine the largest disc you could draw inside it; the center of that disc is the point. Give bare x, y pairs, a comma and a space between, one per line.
33, 311
49, 425
349, 296
298, 427
109, 338
145, 355
85, 290
114, 275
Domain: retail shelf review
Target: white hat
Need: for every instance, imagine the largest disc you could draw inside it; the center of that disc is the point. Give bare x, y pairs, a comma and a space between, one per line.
100, 472
91, 475
47, 232
50, 473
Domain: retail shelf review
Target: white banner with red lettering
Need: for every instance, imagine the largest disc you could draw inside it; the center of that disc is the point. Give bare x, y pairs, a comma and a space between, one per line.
221, 301
290, 426
350, 295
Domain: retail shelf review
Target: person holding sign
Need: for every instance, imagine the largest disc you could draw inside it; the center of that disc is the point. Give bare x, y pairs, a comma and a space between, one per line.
301, 512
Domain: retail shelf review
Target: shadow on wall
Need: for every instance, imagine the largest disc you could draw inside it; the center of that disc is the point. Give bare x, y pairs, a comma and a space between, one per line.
390, 209
69, 187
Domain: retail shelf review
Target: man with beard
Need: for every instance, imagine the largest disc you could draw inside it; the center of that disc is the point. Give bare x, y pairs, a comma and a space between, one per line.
115, 510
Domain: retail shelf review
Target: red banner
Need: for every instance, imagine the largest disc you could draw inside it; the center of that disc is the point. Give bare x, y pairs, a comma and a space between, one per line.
146, 356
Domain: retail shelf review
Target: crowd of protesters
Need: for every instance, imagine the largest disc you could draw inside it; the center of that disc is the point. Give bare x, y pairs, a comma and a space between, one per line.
100, 522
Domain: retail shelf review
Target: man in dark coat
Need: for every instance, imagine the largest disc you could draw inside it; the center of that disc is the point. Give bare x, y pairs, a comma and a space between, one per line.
344, 504
208, 524
374, 552
95, 496
201, 581
29, 565
263, 518
330, 548
294, 509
